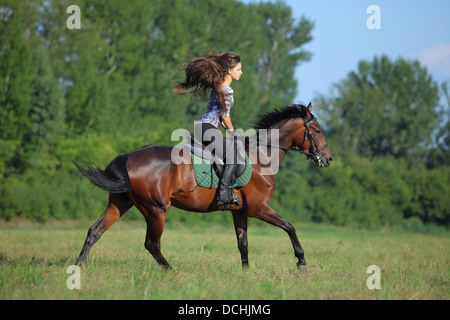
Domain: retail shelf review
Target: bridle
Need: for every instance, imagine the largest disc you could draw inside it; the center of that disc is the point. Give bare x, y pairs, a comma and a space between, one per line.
317, 153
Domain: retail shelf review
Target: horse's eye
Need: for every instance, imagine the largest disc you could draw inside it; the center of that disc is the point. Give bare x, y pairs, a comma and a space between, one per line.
318, 131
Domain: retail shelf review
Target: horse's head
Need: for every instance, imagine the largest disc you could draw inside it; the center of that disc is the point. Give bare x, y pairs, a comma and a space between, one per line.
310, 140
298, 130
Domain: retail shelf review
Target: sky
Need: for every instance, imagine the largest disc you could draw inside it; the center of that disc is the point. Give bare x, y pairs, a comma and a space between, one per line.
412, 29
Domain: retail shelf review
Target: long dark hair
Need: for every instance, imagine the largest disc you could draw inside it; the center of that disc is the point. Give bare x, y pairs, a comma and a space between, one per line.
206, 72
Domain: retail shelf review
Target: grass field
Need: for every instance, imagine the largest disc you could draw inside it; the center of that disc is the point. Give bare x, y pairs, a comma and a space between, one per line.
206, 262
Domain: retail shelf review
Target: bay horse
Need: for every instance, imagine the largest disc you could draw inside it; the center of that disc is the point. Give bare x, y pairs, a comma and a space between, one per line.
148, 179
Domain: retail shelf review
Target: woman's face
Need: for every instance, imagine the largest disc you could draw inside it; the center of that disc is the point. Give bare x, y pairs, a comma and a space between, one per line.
236, 72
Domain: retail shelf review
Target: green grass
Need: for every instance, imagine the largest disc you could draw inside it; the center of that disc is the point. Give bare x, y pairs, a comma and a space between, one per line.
206, 262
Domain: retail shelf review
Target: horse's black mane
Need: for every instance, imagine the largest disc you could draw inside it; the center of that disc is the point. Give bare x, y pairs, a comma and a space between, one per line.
269, 119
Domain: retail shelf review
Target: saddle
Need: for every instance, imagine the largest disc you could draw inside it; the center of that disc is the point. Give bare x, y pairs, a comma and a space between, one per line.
208, 168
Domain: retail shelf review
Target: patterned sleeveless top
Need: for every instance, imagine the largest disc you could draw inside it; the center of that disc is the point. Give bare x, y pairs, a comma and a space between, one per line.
212, 113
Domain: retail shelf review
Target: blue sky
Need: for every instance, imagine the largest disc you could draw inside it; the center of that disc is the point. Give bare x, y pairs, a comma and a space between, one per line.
410, 29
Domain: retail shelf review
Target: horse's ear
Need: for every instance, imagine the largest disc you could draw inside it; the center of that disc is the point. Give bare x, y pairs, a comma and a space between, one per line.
310, 107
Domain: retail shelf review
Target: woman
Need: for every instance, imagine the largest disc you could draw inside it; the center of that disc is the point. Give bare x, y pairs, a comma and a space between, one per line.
215, 72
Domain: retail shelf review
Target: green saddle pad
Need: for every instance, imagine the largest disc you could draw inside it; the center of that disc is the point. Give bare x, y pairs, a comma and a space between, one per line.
206, 176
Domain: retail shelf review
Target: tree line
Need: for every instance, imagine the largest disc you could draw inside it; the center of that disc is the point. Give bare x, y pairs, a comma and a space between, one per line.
105, 89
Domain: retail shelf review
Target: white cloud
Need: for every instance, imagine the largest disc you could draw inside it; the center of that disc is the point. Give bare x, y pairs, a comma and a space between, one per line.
436, 58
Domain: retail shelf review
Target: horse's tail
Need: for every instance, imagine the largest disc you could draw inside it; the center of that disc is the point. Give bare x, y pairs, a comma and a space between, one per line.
114, 178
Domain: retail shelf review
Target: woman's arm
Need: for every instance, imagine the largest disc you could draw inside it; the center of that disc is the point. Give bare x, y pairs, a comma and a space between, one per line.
225, 119
226, 123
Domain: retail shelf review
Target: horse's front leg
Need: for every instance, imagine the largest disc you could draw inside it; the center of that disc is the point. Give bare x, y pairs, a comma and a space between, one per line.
240, 219
271, 216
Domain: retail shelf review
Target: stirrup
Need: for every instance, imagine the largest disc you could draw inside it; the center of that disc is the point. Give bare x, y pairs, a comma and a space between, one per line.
236, 202
231, 201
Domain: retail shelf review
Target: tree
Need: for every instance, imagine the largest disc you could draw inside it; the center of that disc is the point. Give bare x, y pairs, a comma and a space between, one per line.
16, 69
280, 51
106, 88
47, 110
383, 108
439, 156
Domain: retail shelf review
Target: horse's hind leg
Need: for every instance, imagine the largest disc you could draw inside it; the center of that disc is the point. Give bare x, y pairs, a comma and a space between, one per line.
154, 216
153, 241
117, 206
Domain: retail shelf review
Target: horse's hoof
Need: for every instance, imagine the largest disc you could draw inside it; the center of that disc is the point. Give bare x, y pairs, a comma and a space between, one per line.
302, 268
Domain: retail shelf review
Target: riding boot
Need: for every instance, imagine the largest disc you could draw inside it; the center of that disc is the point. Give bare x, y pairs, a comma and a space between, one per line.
223, 194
